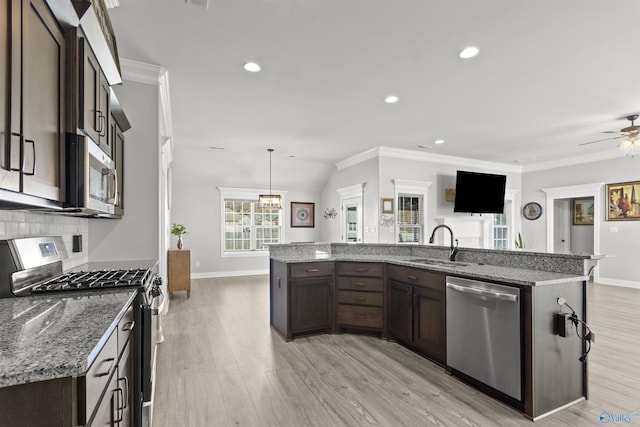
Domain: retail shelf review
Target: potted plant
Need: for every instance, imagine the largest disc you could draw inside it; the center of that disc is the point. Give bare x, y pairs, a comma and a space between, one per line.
519, 242
179, 230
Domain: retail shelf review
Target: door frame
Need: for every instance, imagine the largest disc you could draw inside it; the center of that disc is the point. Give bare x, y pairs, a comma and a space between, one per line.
349, 196
571, 192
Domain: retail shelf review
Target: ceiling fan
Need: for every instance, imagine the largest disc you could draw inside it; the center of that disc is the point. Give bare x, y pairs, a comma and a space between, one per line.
631, 135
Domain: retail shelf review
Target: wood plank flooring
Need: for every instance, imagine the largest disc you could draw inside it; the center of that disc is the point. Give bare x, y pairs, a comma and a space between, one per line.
222, 365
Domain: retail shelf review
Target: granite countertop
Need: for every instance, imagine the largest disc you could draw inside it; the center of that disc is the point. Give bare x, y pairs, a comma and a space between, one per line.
480, 271
56, 336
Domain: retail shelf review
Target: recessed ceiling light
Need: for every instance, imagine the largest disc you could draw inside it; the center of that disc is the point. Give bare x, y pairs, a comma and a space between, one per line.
215, 148
252, 67
424, 146
469, 52
391, 99
292, 156
439, 141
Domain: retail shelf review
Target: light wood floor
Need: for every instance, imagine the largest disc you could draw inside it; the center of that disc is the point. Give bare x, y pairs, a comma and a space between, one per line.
222, 365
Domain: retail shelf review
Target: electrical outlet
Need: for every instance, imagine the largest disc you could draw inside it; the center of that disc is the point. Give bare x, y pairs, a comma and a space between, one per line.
197, 263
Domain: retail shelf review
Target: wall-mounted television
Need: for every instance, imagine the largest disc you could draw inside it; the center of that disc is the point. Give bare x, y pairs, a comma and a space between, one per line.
479, 192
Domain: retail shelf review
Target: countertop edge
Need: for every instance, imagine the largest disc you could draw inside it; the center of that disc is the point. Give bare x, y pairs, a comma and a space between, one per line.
453, 271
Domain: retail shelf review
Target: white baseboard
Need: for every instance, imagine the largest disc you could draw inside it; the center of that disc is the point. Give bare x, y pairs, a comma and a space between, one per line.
228, 274
618, 282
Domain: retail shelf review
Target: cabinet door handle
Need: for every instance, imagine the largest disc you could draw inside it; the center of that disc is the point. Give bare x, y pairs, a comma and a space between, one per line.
414, 278
126, 388
359, 284
128, 326
33, 167
360, 298
103, 125
102, 374
9, 152
119, 407
313, 270
99, 122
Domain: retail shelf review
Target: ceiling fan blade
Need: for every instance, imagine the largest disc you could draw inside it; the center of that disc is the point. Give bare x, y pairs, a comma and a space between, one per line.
601, 140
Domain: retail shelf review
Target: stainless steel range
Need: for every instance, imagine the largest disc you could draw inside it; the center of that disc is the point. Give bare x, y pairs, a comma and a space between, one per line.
34, 266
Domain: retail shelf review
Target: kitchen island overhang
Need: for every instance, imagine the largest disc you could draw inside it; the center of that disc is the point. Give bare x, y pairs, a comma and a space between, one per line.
552, 375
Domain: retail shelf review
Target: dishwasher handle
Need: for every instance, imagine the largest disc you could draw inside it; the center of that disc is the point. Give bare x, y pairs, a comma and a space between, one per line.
484, 293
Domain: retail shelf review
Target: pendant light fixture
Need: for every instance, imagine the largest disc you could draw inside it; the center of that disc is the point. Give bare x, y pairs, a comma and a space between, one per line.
270, 201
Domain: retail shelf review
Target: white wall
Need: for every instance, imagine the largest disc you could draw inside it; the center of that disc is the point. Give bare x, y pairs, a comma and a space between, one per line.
622, 246
362, 173
136, 235
196, 202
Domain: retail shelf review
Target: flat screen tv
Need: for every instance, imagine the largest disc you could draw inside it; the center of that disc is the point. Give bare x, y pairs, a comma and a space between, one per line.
479, 192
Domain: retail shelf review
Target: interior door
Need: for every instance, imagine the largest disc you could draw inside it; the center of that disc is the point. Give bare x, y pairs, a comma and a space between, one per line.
561, 225
352, 220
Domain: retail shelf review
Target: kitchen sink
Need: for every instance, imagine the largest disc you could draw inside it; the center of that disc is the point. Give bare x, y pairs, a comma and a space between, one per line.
438, 262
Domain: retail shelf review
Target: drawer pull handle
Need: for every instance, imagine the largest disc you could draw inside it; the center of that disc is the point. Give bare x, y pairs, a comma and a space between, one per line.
119, 405
102, 374
360, 298
359, 284
360, 269
128, 326
359, 315
313, 270
414, 278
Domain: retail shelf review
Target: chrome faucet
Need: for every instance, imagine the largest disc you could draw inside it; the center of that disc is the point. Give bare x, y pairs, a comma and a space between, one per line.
454, 250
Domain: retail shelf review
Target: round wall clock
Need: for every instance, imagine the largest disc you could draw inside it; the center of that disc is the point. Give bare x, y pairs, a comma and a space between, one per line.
532, 210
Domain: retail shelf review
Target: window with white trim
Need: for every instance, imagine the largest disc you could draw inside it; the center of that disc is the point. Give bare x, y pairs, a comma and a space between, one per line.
410, 219
500, 232
248, 226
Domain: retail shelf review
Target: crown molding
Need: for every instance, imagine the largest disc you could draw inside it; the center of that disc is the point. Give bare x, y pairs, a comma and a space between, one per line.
358, 158
141, 72
576, 160
401, 153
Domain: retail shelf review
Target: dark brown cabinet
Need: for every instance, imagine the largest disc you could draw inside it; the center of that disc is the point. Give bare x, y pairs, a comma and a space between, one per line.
399, 313
301, 298
416, 311
311, 304
360, 297
94, 110
429, 323
33, 74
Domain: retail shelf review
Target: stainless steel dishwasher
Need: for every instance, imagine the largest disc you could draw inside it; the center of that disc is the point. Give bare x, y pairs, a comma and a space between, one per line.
483, 333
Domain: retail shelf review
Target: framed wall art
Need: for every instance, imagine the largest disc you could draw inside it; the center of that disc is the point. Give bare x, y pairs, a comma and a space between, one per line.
583, 211
302, 214
386, 205
623, 201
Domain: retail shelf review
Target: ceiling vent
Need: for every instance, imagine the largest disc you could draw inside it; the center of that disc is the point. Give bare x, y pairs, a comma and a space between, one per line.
204, 4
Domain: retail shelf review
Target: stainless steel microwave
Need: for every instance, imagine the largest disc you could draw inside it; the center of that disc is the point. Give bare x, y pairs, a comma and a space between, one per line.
92, 179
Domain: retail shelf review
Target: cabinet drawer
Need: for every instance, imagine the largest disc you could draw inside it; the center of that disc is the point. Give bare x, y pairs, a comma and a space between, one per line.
91, 385
360, 298
311, 269
125, 328
415, 276
366, 317
370, 269
360, 283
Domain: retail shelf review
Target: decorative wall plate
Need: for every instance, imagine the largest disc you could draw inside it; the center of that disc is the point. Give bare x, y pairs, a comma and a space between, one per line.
532, 210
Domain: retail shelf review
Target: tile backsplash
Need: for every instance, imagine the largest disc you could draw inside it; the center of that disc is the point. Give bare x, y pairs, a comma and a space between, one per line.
18, 223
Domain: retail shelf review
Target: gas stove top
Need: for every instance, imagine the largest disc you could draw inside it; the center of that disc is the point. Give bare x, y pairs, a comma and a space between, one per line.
101, 279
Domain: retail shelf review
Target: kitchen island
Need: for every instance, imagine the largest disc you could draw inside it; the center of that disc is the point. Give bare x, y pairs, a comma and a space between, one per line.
66, 351
399, 292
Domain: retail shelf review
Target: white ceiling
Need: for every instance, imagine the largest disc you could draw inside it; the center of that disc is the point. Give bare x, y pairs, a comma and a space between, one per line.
550, 74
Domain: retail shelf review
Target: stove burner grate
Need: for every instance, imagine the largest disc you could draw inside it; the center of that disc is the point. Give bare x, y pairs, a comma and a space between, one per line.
99, 279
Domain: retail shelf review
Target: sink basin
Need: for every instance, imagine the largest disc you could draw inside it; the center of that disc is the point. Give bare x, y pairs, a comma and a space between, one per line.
438, 262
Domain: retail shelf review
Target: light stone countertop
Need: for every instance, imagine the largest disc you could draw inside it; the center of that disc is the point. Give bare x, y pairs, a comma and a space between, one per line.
56, 336
478, 271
